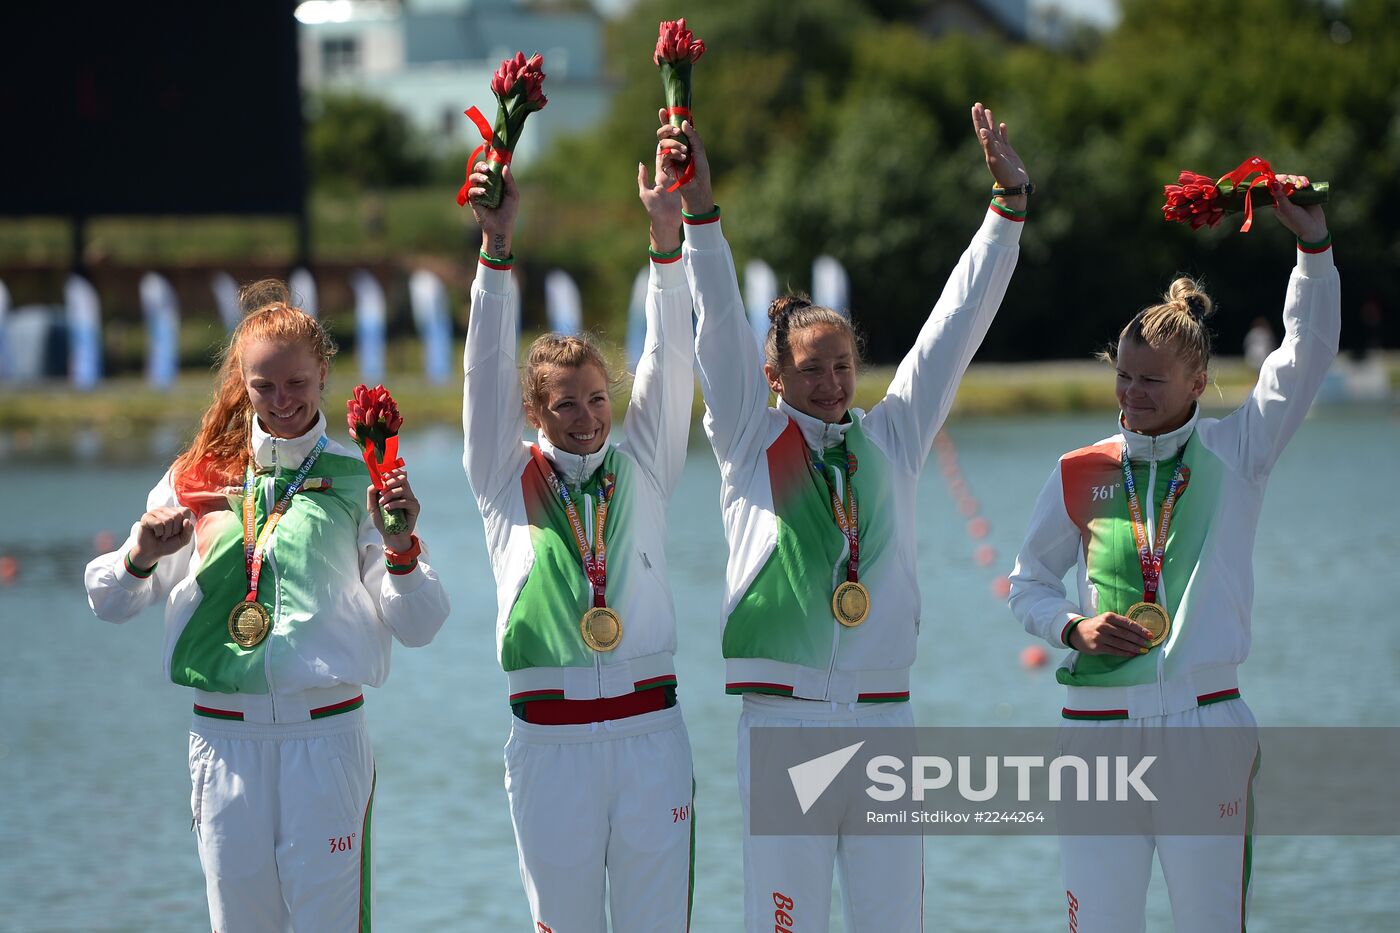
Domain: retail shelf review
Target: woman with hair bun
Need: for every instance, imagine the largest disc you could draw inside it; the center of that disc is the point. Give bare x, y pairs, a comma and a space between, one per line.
598, 766
821, 597
1158, 522
282, 591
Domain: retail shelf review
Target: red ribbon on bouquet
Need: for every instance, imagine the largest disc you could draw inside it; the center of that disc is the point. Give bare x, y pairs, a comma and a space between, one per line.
1265, 175
689, 171
379, 465
501, 157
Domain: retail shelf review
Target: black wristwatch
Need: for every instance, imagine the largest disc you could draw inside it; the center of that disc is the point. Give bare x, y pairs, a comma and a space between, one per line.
1000, 192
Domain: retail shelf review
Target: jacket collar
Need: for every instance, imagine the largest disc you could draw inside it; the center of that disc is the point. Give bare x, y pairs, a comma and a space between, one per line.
284, 453
574, 468
818, 434
1161, 446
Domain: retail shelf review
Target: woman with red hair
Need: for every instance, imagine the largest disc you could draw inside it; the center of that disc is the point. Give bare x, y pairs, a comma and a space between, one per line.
266, 544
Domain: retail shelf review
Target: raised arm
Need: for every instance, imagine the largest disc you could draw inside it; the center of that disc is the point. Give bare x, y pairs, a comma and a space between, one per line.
493, 419
1258, 430
923, 388
731, 371
658, 416
152, 559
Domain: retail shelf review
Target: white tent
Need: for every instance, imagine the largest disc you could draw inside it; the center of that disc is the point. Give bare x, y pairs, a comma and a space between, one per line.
161, 310
562, 303
760, 288
303, 286
84, 316
831, 287
370, 315
226, 299
432, 316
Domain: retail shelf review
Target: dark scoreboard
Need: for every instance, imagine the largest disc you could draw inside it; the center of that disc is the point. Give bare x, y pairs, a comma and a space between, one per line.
150, 107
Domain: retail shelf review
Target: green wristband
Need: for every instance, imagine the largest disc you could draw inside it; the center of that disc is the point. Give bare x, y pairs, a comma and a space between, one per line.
1317, 247
495, 263
665, 257
701, 218
137, 571
1007, 211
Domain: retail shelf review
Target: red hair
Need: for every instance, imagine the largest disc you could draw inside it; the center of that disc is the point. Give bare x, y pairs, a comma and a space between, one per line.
220, 447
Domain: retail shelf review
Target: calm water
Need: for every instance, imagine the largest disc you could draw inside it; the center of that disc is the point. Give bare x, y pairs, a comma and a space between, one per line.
94, 824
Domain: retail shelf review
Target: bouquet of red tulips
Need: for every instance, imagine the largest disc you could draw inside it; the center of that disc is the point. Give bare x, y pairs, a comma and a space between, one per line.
1201, 201
519, 88
677, 50
374, 420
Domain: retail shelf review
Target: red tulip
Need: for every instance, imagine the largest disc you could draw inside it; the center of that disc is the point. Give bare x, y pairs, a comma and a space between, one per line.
518, 69
1194, 200
675, 43
372, 415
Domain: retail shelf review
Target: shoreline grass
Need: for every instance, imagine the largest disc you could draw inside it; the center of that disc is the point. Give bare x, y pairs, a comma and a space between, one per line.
127, 407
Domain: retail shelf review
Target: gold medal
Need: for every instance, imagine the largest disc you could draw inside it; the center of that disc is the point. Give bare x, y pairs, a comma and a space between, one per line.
249, 623
602, 628
1152, 617
850, 603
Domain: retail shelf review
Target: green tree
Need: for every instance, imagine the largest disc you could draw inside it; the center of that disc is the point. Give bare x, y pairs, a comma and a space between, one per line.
357, 142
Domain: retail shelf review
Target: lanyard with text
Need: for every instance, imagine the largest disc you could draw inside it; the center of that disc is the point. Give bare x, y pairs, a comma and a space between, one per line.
1151, 554
253, 550
595, 560
847, 516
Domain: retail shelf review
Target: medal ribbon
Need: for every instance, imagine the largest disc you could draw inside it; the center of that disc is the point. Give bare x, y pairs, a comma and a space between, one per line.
253, 551
1149, 555
595, 561
847, 516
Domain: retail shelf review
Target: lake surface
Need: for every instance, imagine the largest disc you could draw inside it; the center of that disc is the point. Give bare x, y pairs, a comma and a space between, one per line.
94, 824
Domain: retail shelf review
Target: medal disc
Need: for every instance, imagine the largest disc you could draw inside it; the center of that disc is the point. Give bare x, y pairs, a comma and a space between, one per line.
1152, 617
850, 603
249, 623
602, 628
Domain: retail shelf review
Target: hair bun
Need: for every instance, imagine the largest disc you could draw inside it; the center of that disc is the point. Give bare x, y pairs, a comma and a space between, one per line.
262, 293
784, 306
1189, 295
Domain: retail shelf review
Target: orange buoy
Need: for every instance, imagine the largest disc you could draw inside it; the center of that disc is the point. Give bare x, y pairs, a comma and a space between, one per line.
9, 570
978, 528
1001, 587
1033, 656
103, 541
985, 555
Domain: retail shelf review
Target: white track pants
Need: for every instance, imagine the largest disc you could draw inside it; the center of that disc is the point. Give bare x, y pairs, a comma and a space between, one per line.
882, 877
611, 798
283, 817
1106, 877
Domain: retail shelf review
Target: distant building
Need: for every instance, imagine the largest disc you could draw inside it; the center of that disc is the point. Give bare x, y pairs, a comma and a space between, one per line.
431, 59
1005, 19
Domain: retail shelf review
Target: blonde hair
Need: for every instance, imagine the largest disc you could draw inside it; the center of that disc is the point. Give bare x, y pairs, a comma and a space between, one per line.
222, 438
556, 351
789, 314
1177, 322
